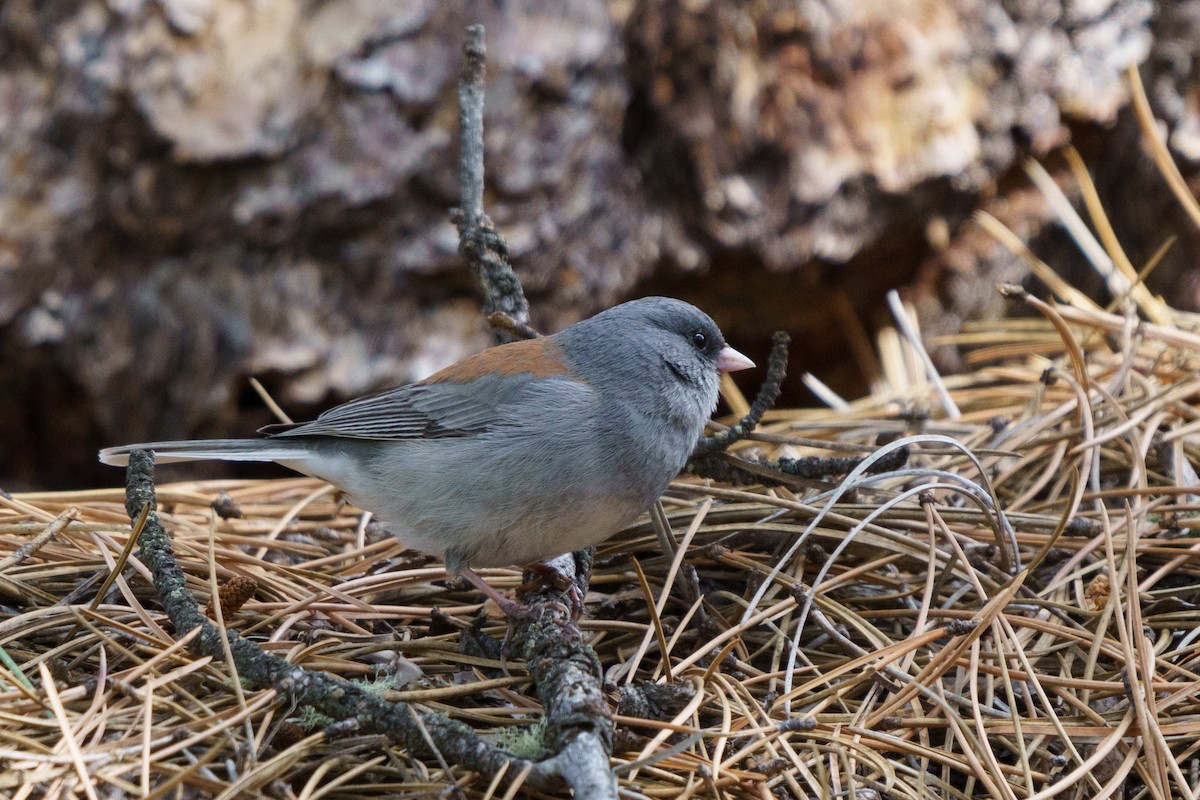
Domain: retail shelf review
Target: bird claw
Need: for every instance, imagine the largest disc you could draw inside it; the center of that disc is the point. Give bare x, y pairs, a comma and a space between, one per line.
546, 574
514, 610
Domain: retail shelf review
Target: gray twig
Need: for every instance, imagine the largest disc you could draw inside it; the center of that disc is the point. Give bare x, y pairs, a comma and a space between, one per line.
480, 245
798, 472
568, 677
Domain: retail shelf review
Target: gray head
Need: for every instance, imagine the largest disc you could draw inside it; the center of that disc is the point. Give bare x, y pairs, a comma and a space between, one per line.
655, 347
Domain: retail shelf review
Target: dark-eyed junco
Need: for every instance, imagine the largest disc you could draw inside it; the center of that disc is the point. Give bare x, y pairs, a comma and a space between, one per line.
520, 453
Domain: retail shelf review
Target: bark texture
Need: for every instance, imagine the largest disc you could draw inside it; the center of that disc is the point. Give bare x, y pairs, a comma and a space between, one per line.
193, 191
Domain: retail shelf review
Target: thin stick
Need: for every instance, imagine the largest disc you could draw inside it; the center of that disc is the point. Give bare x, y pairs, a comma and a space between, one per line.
479, 244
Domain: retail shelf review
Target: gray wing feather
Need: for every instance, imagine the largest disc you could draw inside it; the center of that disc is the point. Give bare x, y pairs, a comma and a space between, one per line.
430, 411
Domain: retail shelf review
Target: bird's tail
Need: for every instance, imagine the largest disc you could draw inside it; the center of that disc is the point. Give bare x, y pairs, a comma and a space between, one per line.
212, 450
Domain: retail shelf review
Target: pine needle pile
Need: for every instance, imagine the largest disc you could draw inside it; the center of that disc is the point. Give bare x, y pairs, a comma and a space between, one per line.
1011, 613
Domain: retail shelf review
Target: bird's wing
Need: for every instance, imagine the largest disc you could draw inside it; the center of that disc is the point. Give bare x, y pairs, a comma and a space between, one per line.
470, 398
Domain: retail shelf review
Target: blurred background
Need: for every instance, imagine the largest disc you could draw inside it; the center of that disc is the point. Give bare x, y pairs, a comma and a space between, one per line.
193, 192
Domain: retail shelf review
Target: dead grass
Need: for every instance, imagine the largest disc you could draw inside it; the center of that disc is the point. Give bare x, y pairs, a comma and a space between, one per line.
924, 665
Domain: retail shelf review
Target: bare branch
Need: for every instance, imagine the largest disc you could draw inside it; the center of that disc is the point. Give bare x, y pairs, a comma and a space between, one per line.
480, 245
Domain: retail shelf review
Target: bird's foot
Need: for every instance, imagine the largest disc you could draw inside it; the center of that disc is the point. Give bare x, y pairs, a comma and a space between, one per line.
546, 573
542, 575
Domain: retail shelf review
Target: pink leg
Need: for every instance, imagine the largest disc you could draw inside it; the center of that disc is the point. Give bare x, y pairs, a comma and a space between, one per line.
510, 608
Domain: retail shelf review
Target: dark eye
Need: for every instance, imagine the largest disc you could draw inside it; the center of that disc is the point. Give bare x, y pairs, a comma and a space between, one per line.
700, 340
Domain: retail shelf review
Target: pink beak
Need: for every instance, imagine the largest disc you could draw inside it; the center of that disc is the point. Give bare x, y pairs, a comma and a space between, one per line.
730, 360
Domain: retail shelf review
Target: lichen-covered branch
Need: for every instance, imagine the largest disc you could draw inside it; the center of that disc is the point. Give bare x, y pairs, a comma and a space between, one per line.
569, 678
727, 468
479, 244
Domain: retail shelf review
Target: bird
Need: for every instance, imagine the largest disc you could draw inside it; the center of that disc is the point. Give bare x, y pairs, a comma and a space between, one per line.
519, 453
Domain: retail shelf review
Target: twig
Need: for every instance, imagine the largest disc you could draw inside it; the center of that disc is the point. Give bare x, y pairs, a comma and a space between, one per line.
787, 471
56, 526
479, 244
568, 676
501, 321
767, 395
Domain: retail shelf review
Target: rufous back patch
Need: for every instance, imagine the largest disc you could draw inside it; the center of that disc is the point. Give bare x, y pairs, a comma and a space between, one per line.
539, 358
